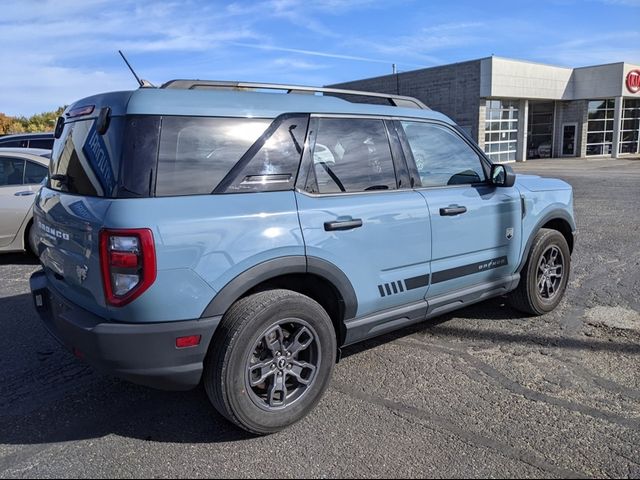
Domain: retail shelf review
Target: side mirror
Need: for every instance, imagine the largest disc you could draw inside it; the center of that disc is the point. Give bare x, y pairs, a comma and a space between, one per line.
502, 175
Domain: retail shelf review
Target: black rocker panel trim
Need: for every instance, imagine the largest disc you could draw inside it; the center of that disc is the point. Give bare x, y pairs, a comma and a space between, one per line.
396, 318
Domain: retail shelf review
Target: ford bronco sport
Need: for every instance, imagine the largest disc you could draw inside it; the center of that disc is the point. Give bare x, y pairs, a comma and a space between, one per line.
225, 233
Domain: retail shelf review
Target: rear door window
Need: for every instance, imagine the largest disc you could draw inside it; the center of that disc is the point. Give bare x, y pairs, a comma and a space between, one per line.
351, 155
34, 173
271, 164
11, 171
197, 153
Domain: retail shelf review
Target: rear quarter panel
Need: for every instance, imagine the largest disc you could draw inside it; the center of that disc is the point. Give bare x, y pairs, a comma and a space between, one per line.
202, 243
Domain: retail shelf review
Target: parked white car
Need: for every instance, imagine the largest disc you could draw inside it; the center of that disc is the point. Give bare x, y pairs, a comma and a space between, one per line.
22, 172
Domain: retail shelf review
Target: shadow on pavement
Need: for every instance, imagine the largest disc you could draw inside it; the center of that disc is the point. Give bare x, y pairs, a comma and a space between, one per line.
18, 259
490, 310
48, 396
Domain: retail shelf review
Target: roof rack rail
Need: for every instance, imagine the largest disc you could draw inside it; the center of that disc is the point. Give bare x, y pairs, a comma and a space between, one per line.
394, 100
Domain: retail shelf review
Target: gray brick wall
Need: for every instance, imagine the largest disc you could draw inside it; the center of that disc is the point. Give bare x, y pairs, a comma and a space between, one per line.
451, 89
574, 111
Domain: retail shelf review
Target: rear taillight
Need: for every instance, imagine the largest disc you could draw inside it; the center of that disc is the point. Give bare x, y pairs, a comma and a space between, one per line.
128, 263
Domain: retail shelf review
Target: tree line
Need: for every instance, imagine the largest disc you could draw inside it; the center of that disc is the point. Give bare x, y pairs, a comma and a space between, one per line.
40, 122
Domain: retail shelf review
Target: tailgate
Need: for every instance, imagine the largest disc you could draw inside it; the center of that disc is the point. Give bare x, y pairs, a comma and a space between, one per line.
68, 228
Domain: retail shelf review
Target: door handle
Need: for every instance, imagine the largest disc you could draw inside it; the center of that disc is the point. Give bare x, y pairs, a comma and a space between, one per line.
452, 210
343, 224
25, 193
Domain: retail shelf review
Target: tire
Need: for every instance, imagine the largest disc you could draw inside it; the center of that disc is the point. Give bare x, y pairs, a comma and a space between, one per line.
29, 246
244, 374
541, 288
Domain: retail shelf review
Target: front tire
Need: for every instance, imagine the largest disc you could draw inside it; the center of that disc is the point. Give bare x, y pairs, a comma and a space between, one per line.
270, 361
545, 275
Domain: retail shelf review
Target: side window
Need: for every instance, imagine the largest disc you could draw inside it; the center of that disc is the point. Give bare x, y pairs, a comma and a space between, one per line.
13, 144
34, 173
45, 143
271, 164
11, 171
352, 155
441, 156
196, 153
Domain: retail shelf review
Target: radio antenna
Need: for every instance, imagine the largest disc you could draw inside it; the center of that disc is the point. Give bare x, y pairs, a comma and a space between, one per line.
141, 82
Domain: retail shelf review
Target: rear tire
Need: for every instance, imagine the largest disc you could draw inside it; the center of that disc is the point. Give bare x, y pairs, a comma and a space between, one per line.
270, 361
29, 244
544, 276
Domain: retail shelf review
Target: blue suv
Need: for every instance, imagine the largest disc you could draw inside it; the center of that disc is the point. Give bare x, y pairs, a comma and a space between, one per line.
230, 234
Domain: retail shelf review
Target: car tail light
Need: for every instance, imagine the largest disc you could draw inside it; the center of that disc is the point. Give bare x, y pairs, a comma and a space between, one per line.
128, 263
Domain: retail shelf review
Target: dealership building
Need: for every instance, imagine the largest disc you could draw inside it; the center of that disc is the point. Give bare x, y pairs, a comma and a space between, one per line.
518, 110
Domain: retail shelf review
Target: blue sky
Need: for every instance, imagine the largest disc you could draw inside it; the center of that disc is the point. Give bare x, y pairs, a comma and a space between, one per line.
54, 52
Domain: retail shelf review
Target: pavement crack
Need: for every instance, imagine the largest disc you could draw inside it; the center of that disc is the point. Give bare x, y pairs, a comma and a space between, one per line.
528, 393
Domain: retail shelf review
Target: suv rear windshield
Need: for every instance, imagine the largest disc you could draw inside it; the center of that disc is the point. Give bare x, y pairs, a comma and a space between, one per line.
142, 156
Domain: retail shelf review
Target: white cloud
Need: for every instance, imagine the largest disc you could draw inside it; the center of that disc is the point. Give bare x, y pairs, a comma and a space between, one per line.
314, 53
56, 52
421, 45
296, 64
33, 88
594, 49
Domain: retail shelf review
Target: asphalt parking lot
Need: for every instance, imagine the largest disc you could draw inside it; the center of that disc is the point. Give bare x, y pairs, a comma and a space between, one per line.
480, 392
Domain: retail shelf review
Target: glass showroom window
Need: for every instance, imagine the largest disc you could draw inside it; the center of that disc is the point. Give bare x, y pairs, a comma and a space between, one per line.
600, 127
501, 130
630, 130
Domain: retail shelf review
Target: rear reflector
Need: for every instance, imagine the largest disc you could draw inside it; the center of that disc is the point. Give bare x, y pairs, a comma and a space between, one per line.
190, 341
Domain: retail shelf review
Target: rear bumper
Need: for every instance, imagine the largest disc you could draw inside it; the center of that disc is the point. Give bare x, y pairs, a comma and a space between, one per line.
145, 354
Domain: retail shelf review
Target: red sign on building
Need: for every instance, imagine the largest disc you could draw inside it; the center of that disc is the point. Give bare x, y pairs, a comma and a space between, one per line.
633, 81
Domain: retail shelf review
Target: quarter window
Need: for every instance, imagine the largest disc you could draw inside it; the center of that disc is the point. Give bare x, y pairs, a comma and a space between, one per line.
351, 155
11, 171
441, 156
197, 153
